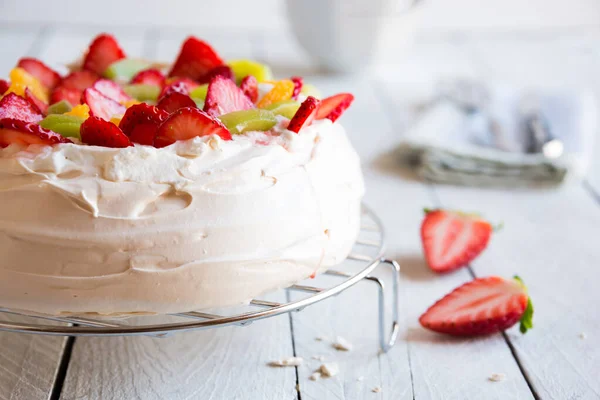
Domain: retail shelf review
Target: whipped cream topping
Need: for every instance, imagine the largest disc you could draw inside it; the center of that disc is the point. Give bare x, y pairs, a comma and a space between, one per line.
202, 223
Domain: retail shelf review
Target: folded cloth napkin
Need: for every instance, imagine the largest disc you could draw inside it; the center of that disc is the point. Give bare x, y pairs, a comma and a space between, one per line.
490, 144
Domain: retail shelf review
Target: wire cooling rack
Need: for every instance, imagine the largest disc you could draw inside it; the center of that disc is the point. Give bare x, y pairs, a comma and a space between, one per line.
365, 257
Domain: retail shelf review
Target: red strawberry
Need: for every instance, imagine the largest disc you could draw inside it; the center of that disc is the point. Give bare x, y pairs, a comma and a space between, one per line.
174, 101
223, 97
453, 239
480, 307
305, 114
37, 103
26, 133
149, 77
141, 122
4, 85
188, 123
222, 70
333, 107
103, 51
179, 85
298, 83
46, 75
18, 108
195, 59
249, 86
80, 80
111, 90
98, 132
100, 105
72, 95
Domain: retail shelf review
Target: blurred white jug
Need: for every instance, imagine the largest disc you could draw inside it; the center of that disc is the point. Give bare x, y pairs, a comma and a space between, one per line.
349, 35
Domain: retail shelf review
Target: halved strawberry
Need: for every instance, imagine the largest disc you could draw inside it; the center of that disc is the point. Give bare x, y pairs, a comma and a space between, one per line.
46, 75
223, 97
188, 123
195, 59
37, 103
222, 70
305, 114
103, 51
111, 90
72, 95
298, 83
249, 86
80, 80
179, 85
480, 307
16, 107
4, 85
99, 132
333, 107
149, 77
14, 131
141, 122
174, 101
100, 105
453, 239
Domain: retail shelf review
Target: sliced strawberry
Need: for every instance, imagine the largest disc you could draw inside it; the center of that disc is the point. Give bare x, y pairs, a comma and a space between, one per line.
37, 103
222, 70
333, 107
298, 83
453, 239
188, 123
223, 97
174, 101
195, 59
80, 80
141, 122
72, 95
16, 107
179, 85
99, 132
4, 85
14, 131
46, 75
480, 307
249, 86
100, 105
111, 90
103, 51
305, 114
149, 77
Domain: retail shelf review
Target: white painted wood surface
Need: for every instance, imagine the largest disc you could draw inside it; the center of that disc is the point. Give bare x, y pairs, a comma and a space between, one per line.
550, 238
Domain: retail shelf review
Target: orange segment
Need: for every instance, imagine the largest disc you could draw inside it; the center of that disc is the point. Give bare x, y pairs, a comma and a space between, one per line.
116, 119
130, 103
81, 110
21, 79
282, 90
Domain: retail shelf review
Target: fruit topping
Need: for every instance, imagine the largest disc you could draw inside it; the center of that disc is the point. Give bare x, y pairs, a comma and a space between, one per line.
453, 239
141, 122
243, 68
60, 107
80, 110
100, 105
46, 75
187, 123
480, 307
125, 69
149, 77
305, 115
14, 131
4, 85
333, 107
40, 105
65, 94
21, 80
179, 85
103, 51
310, 90
80, 80
195, 60
66, 125
111, 90
199, 92
224, 96
99, 132
282, 90
18, 108
173, 101
221, 70
142, 92
248, 120
249, 86
285, 108
298, 83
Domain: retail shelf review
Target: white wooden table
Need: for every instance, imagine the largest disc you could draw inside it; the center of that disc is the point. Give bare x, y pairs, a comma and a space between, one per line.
551, 239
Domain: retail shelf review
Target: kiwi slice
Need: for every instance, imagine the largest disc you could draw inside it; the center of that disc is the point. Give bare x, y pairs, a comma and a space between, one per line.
65, 125
249, 120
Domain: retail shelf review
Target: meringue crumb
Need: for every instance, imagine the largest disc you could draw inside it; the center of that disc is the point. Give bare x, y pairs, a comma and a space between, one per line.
213, 143
329, 369
342, 344
360, 378
376, 389
497, 377
315, 376
289, 362
582, 335
320, 338
318, 358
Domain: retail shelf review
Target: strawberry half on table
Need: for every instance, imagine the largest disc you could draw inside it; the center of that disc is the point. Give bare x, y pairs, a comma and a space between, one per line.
452, 239
481, 307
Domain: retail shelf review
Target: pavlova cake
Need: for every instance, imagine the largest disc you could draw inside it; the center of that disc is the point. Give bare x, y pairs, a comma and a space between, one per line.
128, 187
